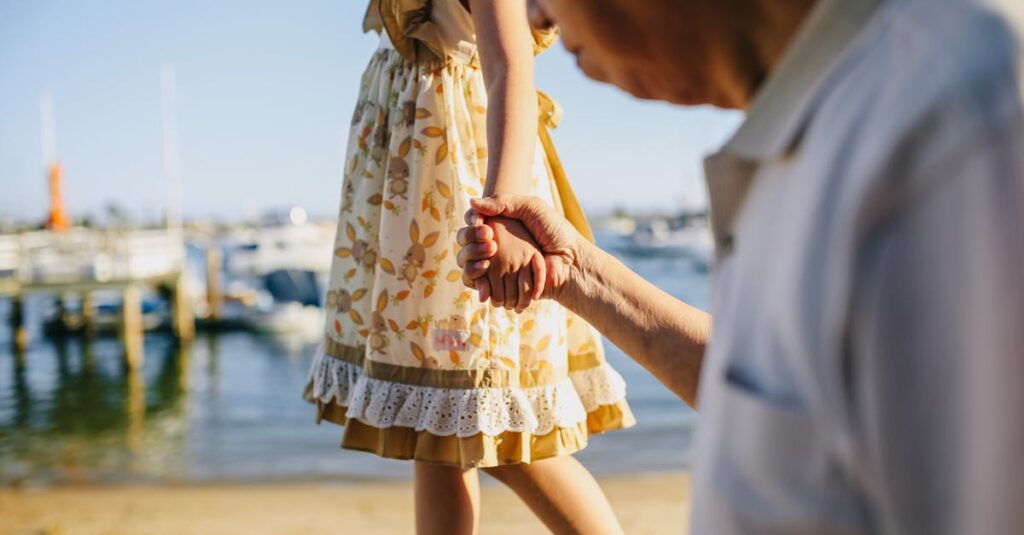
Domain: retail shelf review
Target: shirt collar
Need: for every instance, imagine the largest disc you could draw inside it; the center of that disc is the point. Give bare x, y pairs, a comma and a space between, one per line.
780, 107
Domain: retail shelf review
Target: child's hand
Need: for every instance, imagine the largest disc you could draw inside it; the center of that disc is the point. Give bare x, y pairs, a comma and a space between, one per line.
561, 245
517, 270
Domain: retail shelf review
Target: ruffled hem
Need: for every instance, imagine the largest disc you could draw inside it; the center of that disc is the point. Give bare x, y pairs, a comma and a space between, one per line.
466, 412
476, 451
611, 417
330, 380
467, 427
600, 385
479, 450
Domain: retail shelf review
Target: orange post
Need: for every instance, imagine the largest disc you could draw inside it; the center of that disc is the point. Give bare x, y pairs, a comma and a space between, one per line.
58, 219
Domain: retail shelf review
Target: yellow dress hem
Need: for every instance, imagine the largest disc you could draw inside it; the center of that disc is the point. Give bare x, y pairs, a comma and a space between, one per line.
479, 450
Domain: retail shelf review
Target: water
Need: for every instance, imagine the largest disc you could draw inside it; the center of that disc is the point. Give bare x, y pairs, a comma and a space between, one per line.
227, 407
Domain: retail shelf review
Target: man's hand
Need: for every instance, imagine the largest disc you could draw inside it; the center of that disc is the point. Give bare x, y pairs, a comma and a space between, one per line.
556, 238
663, 334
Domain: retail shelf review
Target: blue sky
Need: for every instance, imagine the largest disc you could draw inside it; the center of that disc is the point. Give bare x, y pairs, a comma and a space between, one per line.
265, 90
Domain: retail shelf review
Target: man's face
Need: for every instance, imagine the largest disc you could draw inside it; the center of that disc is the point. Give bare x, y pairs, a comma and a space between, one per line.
653, 49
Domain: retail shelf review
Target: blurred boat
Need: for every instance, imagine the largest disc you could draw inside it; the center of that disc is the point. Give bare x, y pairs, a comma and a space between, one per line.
277, 274
288, 303
656, 238
284, 240
616, 224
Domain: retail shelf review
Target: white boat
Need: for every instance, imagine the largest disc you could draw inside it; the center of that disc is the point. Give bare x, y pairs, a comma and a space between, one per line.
284, 264
288, 302
657, 239
304, 321
283, 241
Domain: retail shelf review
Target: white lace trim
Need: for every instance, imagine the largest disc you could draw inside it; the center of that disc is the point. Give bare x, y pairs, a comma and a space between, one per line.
464, 412
597, 386
332, 379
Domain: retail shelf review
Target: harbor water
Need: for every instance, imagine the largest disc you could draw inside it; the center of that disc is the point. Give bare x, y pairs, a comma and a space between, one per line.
228, 407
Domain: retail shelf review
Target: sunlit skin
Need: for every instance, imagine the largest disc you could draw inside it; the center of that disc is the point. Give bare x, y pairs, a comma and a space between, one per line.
696, 52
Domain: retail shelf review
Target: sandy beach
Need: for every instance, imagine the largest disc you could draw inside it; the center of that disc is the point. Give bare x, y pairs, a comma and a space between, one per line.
645, 503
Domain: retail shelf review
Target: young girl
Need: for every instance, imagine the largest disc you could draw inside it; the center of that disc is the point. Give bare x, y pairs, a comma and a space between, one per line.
413, 364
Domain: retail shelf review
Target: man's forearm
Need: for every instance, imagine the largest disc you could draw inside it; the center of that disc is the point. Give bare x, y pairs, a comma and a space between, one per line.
663, 334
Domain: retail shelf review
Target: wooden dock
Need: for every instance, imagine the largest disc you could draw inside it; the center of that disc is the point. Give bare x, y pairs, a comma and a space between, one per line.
79, 261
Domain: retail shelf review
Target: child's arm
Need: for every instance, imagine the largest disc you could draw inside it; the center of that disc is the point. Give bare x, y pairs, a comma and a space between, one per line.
505, 46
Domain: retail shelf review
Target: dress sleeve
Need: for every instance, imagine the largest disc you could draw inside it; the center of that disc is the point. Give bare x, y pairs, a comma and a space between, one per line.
408, 24
372, 21
937, 349
425, 30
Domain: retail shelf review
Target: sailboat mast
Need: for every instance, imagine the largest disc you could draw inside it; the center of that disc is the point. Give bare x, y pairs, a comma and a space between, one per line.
170, 133
49, 138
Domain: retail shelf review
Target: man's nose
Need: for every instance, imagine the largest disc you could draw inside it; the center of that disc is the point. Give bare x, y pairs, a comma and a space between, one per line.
539, 19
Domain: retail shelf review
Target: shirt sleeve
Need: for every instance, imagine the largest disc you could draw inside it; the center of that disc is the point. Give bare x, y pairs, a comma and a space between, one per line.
936, 350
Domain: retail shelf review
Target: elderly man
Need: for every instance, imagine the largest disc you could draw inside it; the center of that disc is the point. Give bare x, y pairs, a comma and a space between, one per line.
866, 366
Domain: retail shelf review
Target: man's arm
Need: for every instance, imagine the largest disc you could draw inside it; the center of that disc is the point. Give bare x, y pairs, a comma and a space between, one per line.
663, 334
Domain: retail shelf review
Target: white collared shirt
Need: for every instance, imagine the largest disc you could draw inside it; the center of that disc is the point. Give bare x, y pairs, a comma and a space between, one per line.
866, 369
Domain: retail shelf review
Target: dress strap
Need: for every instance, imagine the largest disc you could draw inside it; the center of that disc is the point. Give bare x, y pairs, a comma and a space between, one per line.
550, 113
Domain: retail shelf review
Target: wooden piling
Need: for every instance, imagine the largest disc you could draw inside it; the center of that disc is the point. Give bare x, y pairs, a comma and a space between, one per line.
182, 319
214, 297
135, 410
63, 318
131, 327
19, 357
184, 365
19, 334
87, 323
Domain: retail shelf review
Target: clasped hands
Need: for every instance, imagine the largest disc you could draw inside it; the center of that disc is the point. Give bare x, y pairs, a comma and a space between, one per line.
516, 249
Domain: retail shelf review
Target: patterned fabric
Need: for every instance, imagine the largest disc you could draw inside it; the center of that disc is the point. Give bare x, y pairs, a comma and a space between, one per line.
428, 30
406, 344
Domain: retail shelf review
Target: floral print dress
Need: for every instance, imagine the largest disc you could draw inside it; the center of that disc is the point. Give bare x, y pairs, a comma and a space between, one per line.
411, 363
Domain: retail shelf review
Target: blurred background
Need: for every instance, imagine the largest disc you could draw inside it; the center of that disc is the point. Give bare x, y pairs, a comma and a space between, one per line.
170, 175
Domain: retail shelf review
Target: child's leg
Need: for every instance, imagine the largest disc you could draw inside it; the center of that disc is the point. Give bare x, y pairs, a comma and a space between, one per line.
562, 493
447, 500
